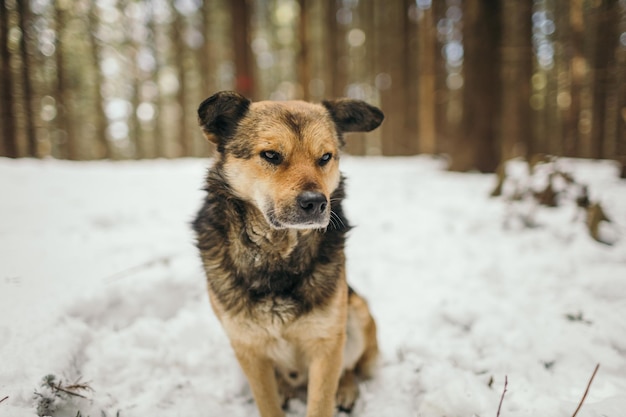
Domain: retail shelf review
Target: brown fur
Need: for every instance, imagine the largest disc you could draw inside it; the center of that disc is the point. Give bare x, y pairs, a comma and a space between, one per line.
271, 235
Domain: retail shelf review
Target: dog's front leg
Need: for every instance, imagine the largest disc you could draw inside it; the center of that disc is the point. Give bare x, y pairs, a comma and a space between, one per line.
324, 373
262, 379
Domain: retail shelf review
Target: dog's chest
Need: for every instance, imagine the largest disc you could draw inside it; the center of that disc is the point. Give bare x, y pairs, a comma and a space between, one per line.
278, 339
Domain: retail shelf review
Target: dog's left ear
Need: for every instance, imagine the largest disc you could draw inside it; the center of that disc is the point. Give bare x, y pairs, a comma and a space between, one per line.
354, 115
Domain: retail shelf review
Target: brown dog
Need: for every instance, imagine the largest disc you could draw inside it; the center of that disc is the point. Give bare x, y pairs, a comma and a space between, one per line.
271, 235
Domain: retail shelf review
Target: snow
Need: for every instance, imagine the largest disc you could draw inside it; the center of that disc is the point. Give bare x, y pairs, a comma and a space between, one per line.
99, 279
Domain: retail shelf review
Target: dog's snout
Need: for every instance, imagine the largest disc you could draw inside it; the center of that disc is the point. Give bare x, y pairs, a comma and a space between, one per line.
312, 202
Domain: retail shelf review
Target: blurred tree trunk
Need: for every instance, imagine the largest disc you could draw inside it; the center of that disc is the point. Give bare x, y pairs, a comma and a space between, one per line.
67, 143
7, 117
605, 19
184, 139
304, 75
475, 148
410, 80
336, 75
130, 49
206, 54
515, 74
446, 127
244, 78
390, 16
621, 98
355, 65
426, 71
158, 139
27, 86
100, 119
612, 79
577, 71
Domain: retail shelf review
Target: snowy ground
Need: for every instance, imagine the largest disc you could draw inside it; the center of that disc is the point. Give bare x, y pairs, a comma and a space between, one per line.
99, 279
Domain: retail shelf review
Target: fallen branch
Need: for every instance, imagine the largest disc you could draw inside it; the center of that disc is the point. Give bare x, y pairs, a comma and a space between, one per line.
506, 382
71, 389
586, 391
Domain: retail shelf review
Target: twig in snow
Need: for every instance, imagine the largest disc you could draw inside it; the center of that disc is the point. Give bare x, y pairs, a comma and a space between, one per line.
586, 390
5, 398
163, 260
506, 382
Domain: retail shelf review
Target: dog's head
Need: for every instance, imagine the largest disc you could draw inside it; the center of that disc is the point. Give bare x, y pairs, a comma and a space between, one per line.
283, 157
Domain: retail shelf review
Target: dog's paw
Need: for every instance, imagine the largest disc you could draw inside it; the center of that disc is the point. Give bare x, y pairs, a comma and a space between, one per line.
347, 393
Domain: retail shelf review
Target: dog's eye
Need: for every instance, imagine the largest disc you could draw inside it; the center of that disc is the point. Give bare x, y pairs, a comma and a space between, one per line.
272, 157
324, 159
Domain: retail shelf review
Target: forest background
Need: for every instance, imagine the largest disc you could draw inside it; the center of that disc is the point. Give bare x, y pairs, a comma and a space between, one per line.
481, 81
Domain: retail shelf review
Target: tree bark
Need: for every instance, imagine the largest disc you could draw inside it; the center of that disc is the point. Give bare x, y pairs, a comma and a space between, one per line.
7, 116
100, 119
515, 75
184, 139
476, 147
605, 19
304, 74
244, 78
427, 76
24, 22
390, 31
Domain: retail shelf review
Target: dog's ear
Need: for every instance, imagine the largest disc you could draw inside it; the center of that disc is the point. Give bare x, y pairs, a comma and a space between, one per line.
354, 115
219, 115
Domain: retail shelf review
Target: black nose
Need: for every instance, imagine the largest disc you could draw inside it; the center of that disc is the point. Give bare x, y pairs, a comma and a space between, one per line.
312, 202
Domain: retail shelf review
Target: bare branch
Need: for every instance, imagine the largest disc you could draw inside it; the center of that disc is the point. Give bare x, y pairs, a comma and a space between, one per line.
5, 398
506, 382
586, 391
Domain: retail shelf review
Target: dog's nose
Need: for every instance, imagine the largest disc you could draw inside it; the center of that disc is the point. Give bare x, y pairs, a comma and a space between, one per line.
312, 202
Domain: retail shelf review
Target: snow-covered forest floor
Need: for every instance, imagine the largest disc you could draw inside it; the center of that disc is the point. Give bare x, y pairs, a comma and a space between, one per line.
100, 283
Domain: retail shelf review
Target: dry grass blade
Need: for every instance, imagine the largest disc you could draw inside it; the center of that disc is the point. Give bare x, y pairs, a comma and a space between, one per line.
506, 382
582, 400
72, 389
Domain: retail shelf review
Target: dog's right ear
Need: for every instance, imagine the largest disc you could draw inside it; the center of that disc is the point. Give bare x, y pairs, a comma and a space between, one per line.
219, 116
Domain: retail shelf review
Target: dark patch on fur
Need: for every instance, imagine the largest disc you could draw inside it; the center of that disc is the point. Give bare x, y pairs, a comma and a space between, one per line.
295, 122
244, 270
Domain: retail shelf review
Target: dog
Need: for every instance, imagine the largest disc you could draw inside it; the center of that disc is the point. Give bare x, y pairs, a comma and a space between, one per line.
271, 236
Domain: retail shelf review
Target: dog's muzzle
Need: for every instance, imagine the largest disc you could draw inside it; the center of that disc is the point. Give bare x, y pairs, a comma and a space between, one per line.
310, 210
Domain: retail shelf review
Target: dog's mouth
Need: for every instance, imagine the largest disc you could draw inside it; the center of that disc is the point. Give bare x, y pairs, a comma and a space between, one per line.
311, 210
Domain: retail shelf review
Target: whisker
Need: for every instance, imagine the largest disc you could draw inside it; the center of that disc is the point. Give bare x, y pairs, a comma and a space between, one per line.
338, 223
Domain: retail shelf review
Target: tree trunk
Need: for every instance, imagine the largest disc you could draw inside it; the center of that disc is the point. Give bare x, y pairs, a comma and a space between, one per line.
24, 22
410, 82
244, 78
605, 19
7, 116
621, 97
158, 139
68, 142
184, 139
100, 119
515, 74
304, 75
577, 71
428, 53
476, 147
390, 78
